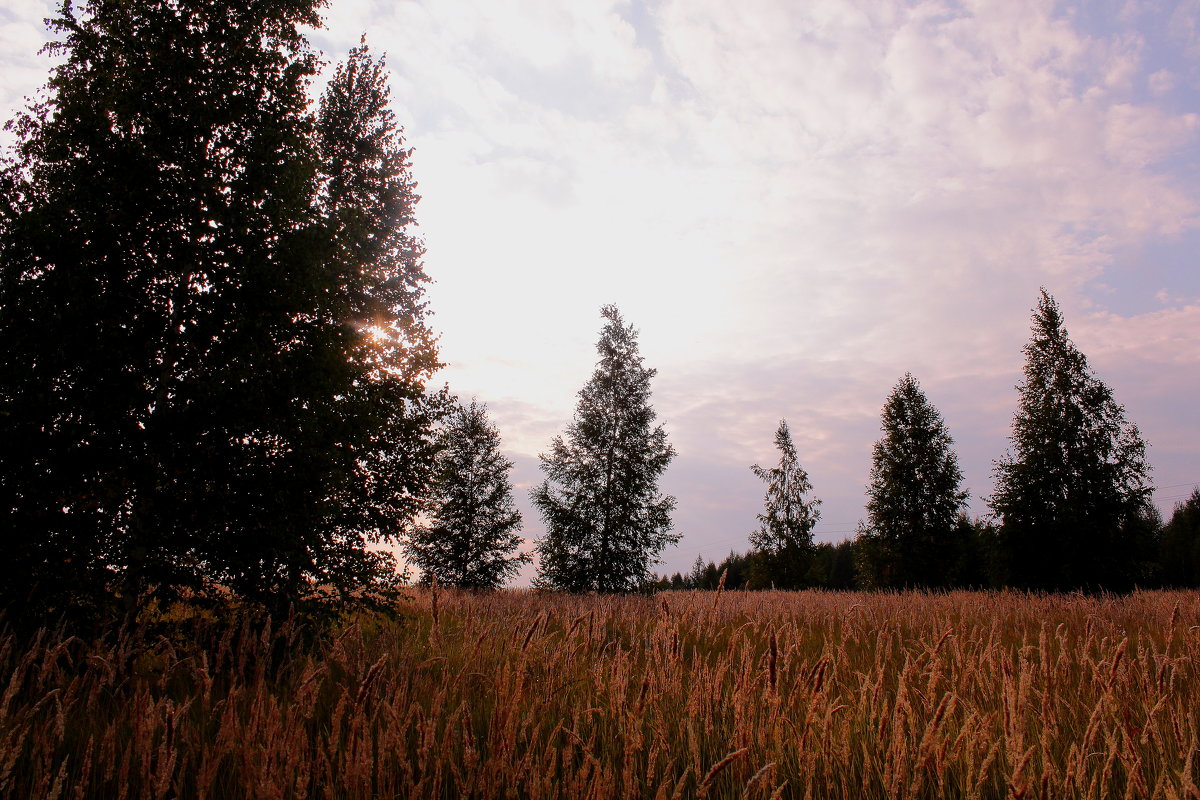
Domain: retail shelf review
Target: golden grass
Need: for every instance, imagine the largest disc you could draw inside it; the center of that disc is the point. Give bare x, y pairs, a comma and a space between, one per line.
754, 695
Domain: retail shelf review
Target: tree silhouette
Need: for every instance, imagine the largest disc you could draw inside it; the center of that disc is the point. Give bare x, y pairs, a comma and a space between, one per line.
914, 506
783, 542
211, 307
471, 538
1179, 545
606, 520
1073, 490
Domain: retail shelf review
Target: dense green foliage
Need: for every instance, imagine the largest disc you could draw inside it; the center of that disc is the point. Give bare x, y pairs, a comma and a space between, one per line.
915, 503
470, 540
782, 543
1179, 545
606, 520
1073, 492
833, 566
830, 566
211, 307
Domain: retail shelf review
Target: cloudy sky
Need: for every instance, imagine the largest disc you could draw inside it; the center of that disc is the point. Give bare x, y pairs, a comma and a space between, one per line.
795, 203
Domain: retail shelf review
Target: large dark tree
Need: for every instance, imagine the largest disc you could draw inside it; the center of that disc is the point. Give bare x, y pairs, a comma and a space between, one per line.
606, 520
1073, 490
471, 537
783, 543
915, 503
214, 353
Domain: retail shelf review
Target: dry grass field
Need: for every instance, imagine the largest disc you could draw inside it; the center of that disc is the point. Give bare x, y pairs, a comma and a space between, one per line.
754, 695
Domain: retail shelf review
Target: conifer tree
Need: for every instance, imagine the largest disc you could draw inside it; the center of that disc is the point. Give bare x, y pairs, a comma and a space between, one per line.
606, 520
1072, 491
783, 542
211, 308
915, 505
471, 538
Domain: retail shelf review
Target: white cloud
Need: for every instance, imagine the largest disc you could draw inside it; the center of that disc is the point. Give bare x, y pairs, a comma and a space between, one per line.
1161, 82
1169, 336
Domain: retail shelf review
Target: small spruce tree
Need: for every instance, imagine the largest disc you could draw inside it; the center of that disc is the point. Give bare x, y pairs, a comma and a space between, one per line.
914, 506
1073, 490
606, 520
471, 539
783, 542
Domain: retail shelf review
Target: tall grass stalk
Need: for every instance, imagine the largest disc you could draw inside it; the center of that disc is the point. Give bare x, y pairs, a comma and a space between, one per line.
516, 694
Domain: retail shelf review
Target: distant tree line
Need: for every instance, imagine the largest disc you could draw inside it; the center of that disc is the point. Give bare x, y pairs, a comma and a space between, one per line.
1071, 508
1173, 561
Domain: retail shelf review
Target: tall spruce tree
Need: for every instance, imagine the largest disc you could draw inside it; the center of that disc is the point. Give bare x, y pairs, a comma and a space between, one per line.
1073, 490
783, 542
210, 301
471, 538
606, 520
915, 505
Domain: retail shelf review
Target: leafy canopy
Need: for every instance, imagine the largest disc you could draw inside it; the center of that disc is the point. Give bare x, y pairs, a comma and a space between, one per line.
211, 303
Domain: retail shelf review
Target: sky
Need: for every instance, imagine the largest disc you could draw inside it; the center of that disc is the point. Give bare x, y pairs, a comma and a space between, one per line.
795, 204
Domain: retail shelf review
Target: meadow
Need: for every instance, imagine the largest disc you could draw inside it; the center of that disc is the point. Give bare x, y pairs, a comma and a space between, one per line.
678, 695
